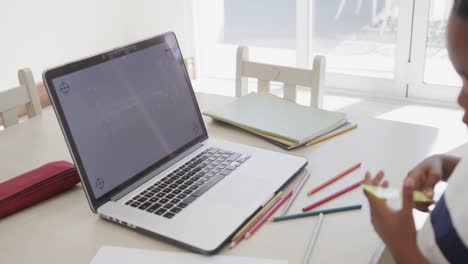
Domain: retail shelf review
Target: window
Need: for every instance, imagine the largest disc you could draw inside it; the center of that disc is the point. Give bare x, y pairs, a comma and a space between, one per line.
357, 37
383, 47
223, 25
437, 68
431, 75
251, 27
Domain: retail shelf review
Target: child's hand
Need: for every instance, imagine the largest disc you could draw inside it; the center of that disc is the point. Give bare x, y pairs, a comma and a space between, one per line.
425, 176
395, 228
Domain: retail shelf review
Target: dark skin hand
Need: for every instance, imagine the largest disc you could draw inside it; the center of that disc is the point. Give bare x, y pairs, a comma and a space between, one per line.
429, 172
395, 227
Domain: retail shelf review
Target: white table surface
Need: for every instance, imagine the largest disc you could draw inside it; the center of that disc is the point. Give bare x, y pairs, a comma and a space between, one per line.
64, 230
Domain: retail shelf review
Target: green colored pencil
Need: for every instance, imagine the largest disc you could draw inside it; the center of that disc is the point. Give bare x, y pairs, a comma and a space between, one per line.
313, 239
314, 213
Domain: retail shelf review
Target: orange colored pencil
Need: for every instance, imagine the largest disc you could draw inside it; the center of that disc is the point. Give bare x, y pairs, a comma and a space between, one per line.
333, 196
268, 214
337, 177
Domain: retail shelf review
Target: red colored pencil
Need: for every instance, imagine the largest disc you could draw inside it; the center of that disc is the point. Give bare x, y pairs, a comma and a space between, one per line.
337, 177
268, 214
333, 196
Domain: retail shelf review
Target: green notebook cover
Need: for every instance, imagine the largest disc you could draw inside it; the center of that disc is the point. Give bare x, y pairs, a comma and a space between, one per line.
278, 117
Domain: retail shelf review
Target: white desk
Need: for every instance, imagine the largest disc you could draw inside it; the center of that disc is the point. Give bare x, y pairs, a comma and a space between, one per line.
64, 230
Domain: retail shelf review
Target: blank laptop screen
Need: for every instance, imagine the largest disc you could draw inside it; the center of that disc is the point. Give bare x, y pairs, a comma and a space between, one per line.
128, 113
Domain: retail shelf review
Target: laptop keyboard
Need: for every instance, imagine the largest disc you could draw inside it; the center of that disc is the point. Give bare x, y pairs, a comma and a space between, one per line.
181, 187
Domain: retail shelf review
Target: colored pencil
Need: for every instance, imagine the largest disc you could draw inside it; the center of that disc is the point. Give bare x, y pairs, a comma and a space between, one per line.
333, 196
314, 213
332, 134
313, 239
295, 193
241, 233
337, 177
267, 215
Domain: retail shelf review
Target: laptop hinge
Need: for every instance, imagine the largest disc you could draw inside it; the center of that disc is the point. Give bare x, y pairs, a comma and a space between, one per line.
154, 173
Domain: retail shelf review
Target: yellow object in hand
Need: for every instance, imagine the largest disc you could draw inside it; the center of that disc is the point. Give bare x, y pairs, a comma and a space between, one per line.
393, 193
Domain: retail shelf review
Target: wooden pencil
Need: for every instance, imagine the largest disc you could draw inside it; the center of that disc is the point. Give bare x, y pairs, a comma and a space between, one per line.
333, 196
313, 239
267, 215
295, 193
241, 233
337, 177
318, 212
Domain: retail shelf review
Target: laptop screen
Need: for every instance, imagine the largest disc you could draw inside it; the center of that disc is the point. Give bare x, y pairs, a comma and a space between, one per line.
128, 113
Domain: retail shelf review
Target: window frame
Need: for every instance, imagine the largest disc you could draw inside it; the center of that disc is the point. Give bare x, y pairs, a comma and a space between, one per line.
417, 87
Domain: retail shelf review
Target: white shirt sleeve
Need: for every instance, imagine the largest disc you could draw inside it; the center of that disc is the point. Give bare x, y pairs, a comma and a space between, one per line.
444, 236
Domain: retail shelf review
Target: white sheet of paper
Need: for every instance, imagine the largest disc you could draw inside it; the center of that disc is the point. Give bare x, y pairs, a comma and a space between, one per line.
121, 255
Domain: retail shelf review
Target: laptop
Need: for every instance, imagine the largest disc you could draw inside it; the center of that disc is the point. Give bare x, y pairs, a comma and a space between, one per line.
138, 140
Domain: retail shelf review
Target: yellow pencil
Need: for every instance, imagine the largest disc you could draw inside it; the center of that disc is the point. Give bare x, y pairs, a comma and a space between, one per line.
320, 139
241, 233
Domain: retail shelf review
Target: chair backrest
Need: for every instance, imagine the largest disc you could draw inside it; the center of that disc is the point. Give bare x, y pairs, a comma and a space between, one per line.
291, 77
24, 94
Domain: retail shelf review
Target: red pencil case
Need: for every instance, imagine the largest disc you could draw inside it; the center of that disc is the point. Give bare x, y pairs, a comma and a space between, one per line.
35, 186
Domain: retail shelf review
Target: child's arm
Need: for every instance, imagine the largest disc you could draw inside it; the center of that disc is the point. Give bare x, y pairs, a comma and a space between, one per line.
437, 167
409, 255
449, 163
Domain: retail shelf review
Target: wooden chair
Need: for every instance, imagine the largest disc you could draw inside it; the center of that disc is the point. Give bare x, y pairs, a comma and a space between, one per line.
291, 77
24, 94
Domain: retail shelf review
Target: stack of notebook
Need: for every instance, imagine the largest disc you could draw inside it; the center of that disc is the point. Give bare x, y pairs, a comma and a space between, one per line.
281, 122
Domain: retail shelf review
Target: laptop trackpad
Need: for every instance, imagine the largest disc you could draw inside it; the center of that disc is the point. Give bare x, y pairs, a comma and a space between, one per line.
250, 191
